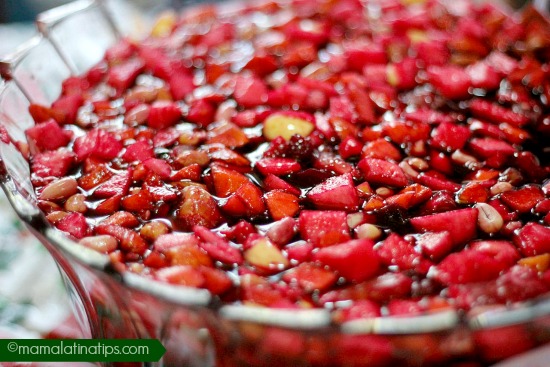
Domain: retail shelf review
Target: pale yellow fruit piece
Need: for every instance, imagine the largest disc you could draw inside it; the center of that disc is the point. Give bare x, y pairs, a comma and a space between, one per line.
286, 126
264, 254
164, 24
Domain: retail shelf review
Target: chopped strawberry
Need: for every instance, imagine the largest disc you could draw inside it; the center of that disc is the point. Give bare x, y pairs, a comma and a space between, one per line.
524, 199
170, 240
181, 84
311, 277
483, 76
452, 82
250, 92
382, 172
435, 245
355, 260
467, 266
282, 231
228, 134
533, 239
97, 143
68, 107
324, 228
75, 224
273, 182
181, 275
216, 280
395, 250
251, 196
496, 113
336, 193
227, 181
201, 112
163, 114
116, 185
123, 76
281, 204
381, 149
217, 247
450, 136
502, 251
138, 151
159, 166
488, 147
55, 163
461, 224
198, 207
277, 166
47, 135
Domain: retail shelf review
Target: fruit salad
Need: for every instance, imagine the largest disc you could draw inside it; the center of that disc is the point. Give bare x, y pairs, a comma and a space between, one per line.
371, 158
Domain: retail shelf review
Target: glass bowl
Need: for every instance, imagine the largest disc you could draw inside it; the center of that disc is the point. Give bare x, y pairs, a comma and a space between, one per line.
194, 328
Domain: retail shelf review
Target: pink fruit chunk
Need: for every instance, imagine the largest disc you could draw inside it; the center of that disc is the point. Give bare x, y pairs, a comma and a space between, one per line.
395, 250
217, 247
277, 166
138, 151
435, 245
451, 81
250, 91
68, 105
355, 260
382, 172
311, 277
461, 224
163, 114
336, 193
450, 136
436, 181
116, 185
533, 239
502, 251
323, 228
487, 147
273, 182
496, 113
97, 143
47, 136
358, 55
170, 240
467, 266
55, 163
181, 84
201, 112
183, 275
75, 224
483, 76
159, 166
524, 199
123, 76
520, 283
299, 251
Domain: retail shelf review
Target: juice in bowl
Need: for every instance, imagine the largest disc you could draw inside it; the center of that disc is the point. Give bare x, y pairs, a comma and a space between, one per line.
302, 183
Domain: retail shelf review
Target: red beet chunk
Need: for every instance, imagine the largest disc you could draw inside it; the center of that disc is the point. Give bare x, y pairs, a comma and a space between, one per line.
323, 228
97, 143
47, 136
461, 224
382, 172
336, 193
163, 114
55, 163
533, 239
355, 260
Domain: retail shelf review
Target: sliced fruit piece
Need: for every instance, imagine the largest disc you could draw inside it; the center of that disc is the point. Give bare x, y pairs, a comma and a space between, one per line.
323, 228
198, 207
277, 166
138, 151
450, 136
336, 193
496, 113
163, 114
128, 239
75, 224
395, 250
451, 81
47, 135
382, 172
435, 245
265, 256
217, 247
116, 185
461, 224
533, 239
281, 204
311, 277
524, 199
284, 125
181, 275
227, 181
467, 266
355, 260
488, 147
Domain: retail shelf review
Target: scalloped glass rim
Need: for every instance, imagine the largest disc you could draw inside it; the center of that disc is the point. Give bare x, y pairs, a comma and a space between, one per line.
24, 203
